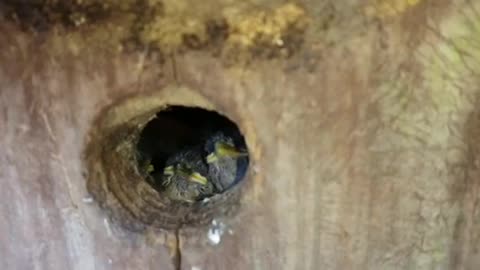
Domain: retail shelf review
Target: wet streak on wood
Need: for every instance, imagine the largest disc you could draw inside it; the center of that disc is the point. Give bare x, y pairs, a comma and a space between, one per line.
178, 252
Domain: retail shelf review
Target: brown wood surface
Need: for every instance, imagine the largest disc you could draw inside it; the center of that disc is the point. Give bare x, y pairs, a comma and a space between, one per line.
365, 150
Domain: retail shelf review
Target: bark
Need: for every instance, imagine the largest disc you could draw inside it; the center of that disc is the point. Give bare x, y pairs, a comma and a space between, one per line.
363, 136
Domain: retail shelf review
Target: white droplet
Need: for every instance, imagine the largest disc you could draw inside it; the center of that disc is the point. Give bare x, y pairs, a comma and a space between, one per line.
214, 236
87, 200
216, 231
196, 268
110, 261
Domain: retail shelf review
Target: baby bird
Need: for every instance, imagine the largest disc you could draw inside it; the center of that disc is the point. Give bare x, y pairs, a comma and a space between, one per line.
226, 163
184, 177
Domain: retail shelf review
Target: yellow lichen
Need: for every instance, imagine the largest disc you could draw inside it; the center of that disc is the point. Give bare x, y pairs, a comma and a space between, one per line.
168, 30
389, 8
234, 30
266, 27
168, 33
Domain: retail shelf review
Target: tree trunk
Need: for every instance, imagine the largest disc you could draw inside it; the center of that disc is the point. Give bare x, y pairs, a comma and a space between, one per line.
361, 118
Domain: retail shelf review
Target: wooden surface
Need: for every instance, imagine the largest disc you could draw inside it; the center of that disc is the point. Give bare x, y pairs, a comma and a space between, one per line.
365, 145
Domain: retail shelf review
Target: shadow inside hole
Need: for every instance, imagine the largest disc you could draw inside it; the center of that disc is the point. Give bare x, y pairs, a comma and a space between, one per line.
178, 128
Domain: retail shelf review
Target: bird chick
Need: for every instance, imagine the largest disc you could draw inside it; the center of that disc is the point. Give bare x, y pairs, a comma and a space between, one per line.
226, 163
184, 177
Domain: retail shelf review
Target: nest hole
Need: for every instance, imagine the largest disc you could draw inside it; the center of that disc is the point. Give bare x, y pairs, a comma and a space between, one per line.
178, 129
140, 133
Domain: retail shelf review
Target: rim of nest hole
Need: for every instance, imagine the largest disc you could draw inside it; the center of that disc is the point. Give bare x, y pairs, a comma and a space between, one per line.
120, 185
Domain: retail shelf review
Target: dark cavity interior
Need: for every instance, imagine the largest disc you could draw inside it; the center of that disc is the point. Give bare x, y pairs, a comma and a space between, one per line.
177, 128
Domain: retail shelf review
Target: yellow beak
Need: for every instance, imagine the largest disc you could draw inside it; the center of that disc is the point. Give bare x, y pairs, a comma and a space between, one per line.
226, 150
150, 168
212, 158
168, 171
198, 178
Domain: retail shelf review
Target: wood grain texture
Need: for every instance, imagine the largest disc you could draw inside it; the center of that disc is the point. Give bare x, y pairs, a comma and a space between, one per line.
365, 146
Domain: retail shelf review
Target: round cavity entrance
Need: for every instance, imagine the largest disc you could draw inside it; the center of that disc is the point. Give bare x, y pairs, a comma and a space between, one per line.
189, 154
166, 160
